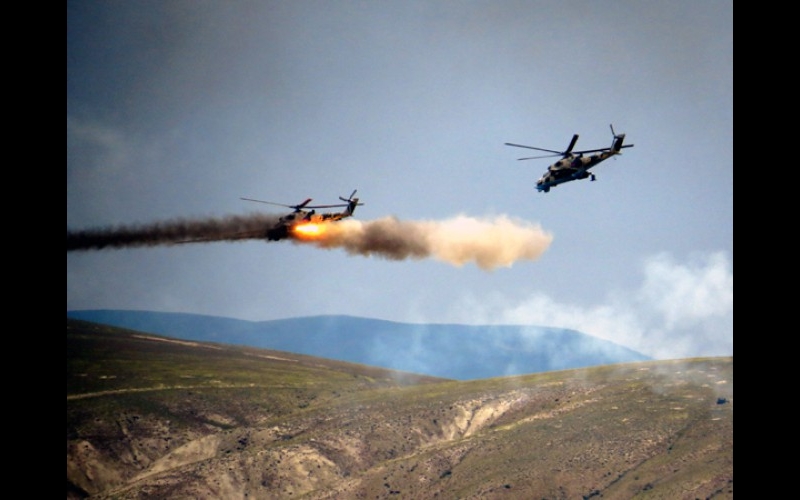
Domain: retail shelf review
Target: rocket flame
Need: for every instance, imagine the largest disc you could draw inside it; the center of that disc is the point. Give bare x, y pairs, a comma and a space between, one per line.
308, 231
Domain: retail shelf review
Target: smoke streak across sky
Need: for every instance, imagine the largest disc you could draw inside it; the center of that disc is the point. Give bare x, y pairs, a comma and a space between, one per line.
489, 243
230, 228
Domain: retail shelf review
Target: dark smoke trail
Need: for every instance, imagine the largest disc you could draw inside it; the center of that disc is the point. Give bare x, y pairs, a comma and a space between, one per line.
230, 228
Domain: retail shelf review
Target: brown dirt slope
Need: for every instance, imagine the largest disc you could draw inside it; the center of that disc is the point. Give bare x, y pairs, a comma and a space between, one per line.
152, 417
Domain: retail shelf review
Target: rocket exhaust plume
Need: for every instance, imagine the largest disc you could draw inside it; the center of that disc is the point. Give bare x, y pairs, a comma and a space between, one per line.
489, 243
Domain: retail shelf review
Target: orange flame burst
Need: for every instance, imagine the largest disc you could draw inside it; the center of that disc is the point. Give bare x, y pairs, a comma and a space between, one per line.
308, 231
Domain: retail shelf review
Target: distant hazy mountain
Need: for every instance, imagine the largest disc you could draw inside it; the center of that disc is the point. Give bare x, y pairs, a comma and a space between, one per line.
460, 352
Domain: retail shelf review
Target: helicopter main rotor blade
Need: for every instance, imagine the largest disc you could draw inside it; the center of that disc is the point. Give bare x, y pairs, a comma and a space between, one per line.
269, 202
572, 143
537, 157
327, 206
531, 147
296, 207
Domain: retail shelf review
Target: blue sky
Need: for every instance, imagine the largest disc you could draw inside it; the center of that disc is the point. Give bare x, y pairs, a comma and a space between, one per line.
177, 109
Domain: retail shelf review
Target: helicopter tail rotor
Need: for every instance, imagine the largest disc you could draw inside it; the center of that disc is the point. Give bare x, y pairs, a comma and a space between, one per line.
350, 198
352, 203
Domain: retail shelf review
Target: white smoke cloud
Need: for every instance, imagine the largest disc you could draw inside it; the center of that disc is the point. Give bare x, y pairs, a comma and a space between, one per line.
680, 310
688, 294
489, 243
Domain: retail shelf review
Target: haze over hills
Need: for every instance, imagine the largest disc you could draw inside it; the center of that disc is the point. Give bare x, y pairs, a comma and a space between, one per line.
149, 416
460, 352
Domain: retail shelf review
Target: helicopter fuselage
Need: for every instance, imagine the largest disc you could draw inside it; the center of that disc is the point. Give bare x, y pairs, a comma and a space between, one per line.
573, 165
571, 168
287, 222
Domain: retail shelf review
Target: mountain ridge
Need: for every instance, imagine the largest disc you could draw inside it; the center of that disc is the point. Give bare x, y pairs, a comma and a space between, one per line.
446, 350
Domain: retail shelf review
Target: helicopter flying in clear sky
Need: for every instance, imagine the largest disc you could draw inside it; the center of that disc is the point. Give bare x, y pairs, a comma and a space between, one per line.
573, 165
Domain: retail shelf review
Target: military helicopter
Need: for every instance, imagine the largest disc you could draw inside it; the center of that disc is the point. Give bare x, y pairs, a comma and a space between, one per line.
305, 216
573, 165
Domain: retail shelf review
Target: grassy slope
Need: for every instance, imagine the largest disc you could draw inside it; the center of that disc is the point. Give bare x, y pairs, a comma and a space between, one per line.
150, 416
